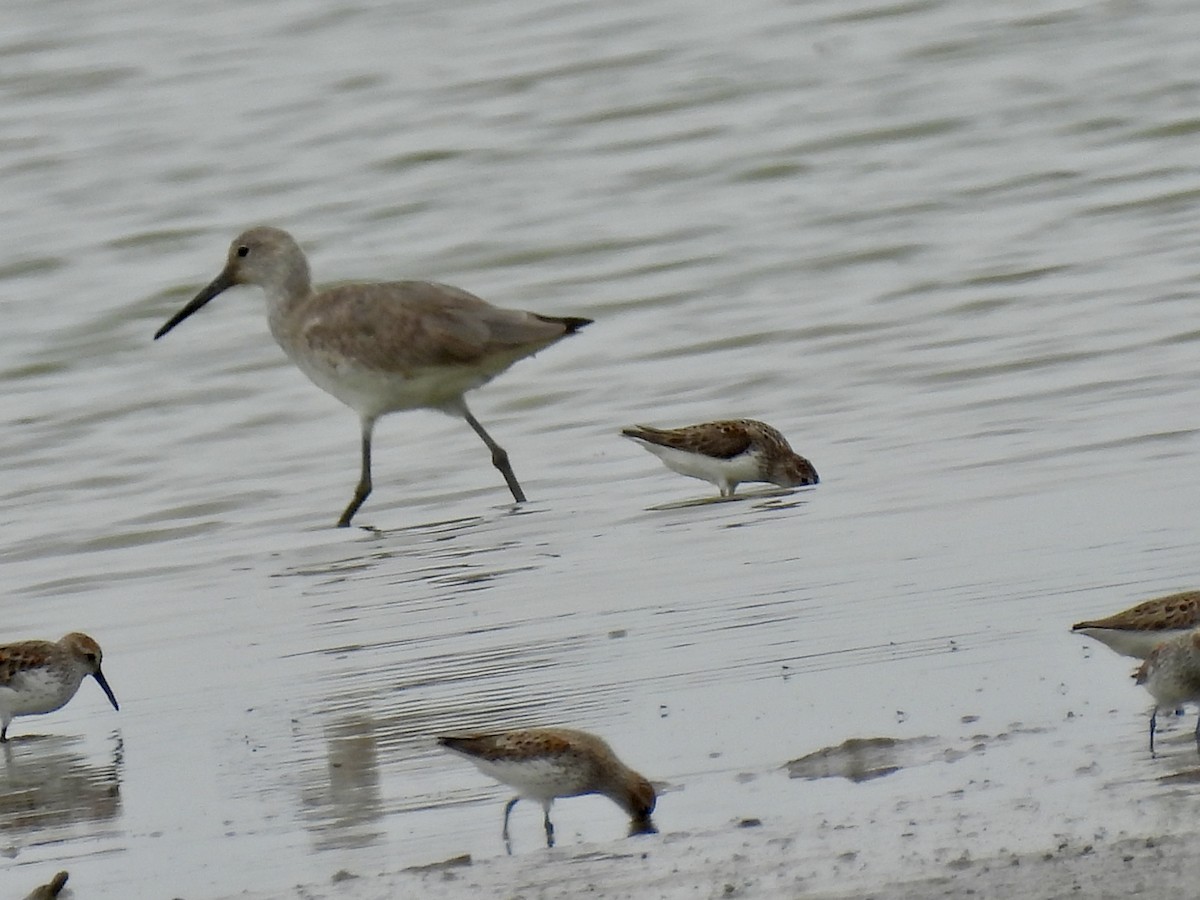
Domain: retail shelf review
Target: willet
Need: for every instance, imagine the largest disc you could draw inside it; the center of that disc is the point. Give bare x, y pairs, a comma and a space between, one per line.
38, 677
727, 453
1138, 630
545, 763
383, 347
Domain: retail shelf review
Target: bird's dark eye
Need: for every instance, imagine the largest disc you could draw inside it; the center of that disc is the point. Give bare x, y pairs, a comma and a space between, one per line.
243, 250
90, 657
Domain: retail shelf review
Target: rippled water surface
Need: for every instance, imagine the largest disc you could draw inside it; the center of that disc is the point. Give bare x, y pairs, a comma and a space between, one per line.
947, 247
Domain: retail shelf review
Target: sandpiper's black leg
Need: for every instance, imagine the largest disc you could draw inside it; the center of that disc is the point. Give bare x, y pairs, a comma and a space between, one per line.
1153, 725
364, 482
499, 457
1198, 735
549, 829
508, 808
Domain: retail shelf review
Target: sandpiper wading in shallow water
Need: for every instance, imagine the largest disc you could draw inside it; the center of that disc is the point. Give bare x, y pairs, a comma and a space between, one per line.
41, 676
727, 453
545, 763
383, 347
1171, 673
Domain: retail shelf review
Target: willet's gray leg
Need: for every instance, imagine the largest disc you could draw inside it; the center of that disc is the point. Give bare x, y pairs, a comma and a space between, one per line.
549, 827
364, 482
508, 808
499, 457
1198, 735
1153, 725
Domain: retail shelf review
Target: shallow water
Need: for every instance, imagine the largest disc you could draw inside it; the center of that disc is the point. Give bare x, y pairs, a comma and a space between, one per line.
947, 248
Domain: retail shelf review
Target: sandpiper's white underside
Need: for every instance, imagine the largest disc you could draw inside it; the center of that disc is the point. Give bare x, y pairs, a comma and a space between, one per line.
533, 778
724, 473
38, 690
1136, 644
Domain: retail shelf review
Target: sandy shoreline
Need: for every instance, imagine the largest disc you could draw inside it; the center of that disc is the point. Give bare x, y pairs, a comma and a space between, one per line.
713, 866
1078, 810
1023, 812
762, 863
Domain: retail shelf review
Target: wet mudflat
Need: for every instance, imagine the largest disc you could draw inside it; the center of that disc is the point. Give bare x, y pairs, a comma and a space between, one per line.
947, 249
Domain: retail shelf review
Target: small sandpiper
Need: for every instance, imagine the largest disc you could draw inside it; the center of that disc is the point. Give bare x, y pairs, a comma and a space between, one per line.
1138, 630
727, 453
545, 763
1171, 673
382, 347
38, 677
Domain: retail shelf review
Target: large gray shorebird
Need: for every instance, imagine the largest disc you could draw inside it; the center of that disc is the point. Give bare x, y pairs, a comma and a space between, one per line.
382, 347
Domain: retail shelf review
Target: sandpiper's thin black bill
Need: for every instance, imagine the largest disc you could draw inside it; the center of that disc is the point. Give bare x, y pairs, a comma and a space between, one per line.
99, 676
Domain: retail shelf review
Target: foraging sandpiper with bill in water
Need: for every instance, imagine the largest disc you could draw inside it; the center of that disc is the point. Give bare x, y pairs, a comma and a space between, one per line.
542, 764
39, 677
727, 453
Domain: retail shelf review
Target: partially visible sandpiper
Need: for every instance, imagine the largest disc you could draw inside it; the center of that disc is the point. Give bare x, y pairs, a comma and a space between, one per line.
50, 890
38, 677
545, 763
382, 347
1138, 630
1171, 673
727, 453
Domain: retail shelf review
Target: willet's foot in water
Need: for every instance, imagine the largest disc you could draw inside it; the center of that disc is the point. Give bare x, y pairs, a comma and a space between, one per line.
727, 453
545, 763
382, 347
41, 676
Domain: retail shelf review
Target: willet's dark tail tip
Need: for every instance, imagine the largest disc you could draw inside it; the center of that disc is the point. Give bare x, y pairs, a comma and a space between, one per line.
571, 323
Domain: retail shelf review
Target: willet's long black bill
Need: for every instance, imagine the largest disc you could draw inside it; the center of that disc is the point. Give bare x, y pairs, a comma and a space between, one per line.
382, 347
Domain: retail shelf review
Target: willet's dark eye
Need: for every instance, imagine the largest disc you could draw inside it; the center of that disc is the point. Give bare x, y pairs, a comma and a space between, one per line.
243, 250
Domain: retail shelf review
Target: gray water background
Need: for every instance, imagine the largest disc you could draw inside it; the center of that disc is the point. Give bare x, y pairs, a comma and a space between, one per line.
947, 247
